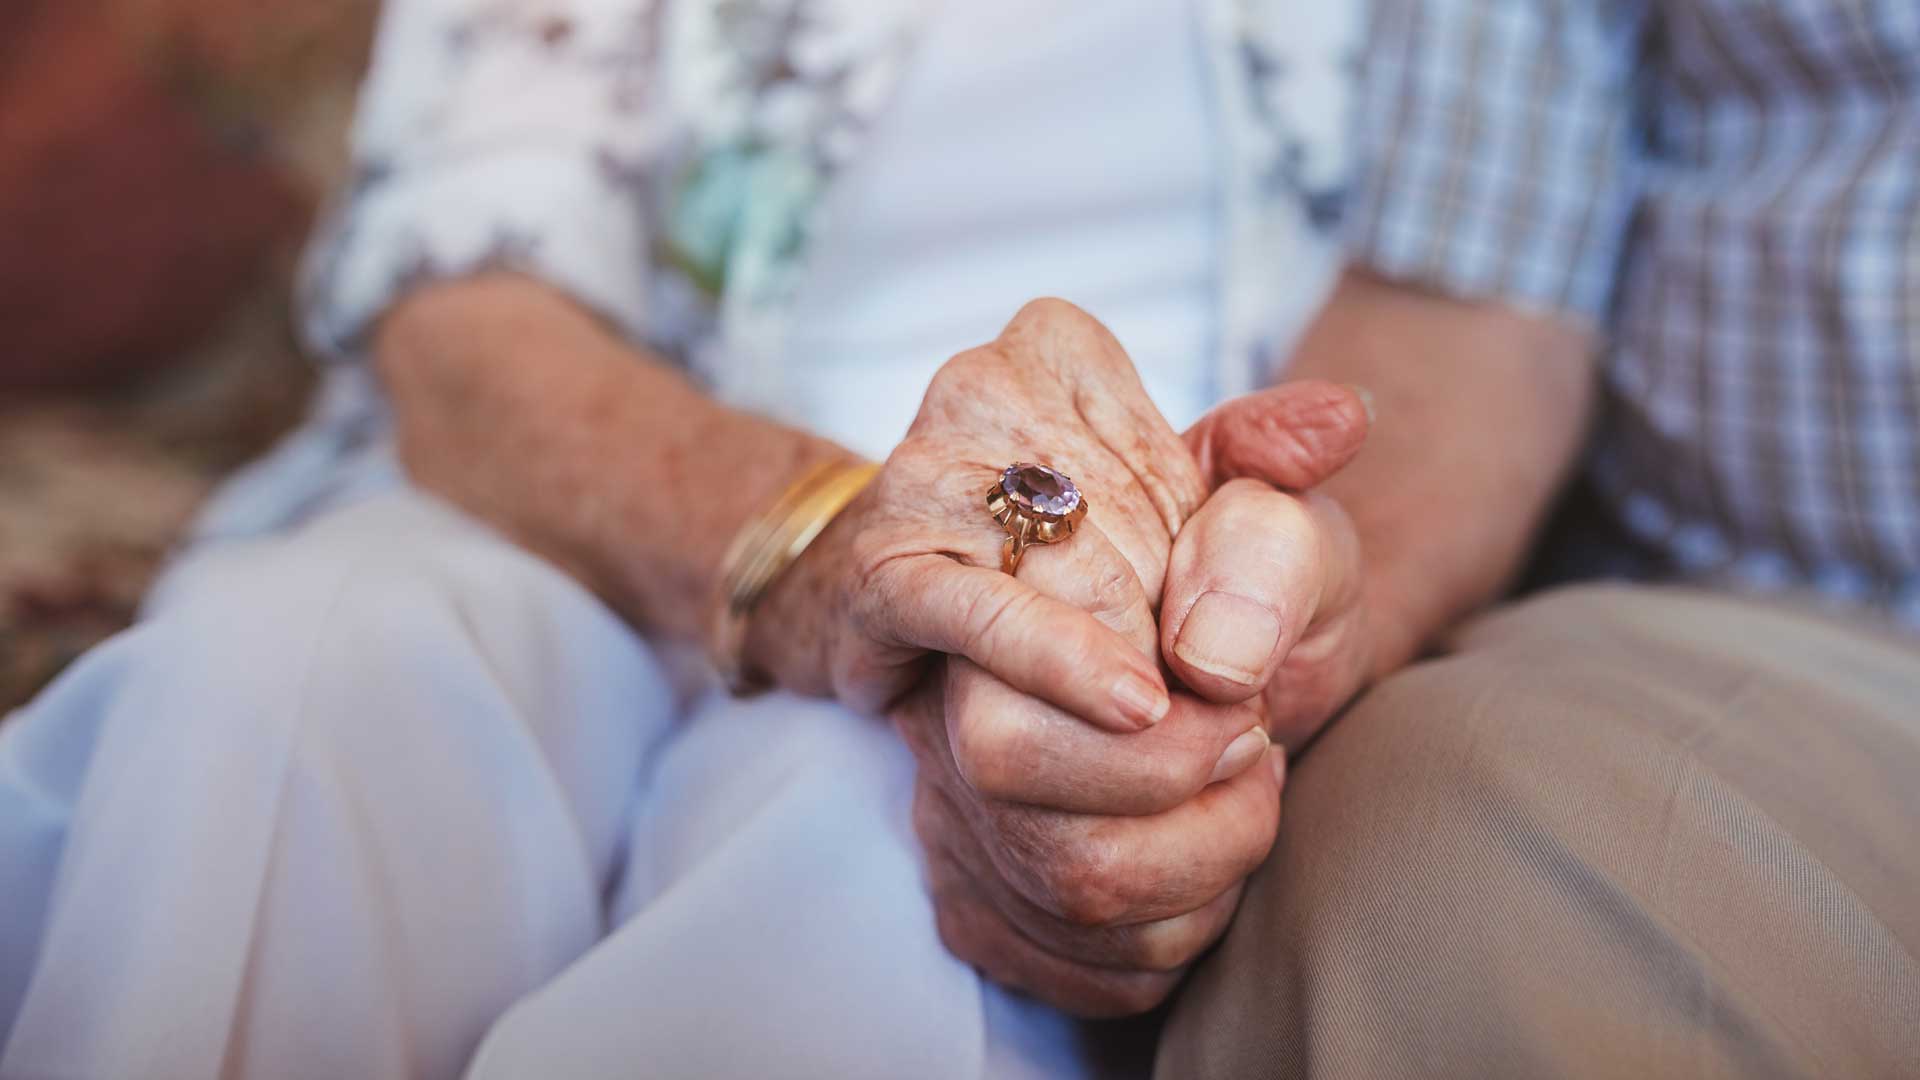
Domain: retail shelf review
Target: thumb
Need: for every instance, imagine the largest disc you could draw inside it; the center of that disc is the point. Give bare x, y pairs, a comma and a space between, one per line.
1243, 584
1294, 435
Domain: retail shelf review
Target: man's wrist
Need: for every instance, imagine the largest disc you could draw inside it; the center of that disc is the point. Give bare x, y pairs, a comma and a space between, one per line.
1392, 642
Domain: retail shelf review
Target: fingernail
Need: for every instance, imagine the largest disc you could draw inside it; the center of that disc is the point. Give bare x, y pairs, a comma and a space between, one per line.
1143, 702
1228, 636
1240, 754
1366, 399
1277, 759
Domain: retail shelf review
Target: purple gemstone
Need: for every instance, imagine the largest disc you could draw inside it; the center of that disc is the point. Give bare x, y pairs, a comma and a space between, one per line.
1038, 488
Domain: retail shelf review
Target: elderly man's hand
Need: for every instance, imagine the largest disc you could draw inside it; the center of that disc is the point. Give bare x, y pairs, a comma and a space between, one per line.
1263, 592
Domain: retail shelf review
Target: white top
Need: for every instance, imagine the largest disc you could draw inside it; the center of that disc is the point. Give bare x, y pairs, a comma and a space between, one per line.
1033, 148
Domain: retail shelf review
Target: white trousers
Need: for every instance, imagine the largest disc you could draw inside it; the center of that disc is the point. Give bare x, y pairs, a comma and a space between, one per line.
385, 796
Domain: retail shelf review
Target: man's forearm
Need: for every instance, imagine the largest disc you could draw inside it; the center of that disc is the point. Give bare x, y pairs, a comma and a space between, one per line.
1481, 411
527, 412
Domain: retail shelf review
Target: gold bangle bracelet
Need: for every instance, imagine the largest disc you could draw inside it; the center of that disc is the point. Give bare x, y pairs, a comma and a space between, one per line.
766, 546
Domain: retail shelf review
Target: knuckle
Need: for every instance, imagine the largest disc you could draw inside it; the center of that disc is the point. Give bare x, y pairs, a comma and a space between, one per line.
1339, 541
1173, 483
1165, 950
994, 618
1115, 587
1172, 944
1147, 994
1094, 577
1169, 779
1130, 995
1327, 415
1049, 309
1060, 335
960, 394
1253, 504
1305, 445
964, 373
1085, 886
958, 931
1302, 448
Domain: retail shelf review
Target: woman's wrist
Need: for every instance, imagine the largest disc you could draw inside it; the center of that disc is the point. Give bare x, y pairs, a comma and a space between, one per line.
764, 550
734, 472
789, 637
591, 451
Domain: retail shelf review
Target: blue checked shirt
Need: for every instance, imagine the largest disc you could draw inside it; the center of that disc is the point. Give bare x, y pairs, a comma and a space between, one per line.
1730, 191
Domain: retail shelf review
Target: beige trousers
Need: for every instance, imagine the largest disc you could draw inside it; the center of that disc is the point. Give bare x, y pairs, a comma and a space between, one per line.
1611, 831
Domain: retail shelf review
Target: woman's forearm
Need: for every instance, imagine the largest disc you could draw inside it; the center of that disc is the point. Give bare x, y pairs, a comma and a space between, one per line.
521, 408
1480, 413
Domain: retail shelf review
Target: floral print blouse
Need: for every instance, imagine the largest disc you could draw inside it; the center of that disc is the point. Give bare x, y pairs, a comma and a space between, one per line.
661, 161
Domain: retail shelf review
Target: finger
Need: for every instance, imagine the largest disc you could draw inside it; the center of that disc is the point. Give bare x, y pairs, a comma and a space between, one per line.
976, 933
954, 853
1123, 514
1112, 401
1089, 571
1294, 435
1164, 945
1051, 649
1117, 871
1010, 747
1243, 585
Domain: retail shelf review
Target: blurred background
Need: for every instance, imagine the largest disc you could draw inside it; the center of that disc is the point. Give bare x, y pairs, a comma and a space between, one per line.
160, 161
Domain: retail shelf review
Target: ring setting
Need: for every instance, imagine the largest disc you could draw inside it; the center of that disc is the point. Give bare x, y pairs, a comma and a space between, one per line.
1035, 504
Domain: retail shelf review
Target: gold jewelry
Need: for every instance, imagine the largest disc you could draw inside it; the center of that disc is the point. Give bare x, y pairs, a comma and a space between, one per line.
769, 544
1036, 504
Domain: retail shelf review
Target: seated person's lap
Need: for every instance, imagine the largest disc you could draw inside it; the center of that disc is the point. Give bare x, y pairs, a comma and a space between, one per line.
1654, 831
394, 761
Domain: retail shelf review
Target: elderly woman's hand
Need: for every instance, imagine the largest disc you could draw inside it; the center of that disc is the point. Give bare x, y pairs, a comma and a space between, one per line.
910, 569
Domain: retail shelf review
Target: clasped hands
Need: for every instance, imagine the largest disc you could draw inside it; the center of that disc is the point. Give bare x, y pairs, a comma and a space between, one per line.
1096, 779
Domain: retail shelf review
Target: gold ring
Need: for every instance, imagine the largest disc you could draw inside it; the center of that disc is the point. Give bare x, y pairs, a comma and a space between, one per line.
1036, 504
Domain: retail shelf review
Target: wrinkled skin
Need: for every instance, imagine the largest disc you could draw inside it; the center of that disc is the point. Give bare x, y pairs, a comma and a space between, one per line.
911, 567
1086, 845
